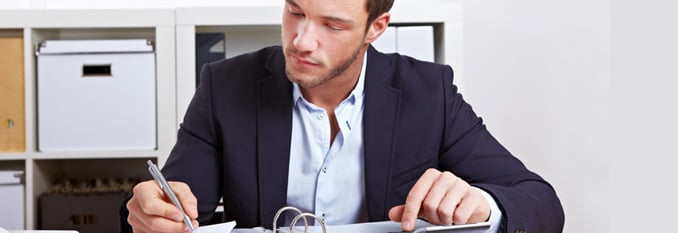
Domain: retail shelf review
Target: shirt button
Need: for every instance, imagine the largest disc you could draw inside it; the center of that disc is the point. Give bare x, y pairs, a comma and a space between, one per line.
320, 117
324, 171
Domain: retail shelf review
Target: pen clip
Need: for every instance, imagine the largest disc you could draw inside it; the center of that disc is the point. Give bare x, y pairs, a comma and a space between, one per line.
153, 169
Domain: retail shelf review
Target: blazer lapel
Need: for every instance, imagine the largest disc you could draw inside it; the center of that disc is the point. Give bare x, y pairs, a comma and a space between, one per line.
382, 103
274, 130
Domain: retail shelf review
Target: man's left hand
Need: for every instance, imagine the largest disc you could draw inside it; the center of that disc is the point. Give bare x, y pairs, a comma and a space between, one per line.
441, 198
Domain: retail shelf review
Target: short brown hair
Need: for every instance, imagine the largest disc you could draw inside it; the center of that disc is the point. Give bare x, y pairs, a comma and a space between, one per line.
377, 7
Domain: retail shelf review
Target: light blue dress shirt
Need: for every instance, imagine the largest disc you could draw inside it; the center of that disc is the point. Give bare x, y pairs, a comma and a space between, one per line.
328, 179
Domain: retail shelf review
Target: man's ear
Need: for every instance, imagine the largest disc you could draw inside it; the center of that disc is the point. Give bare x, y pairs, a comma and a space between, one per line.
377, 27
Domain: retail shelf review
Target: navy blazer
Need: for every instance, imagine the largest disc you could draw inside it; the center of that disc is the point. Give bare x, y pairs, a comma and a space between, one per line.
235, 142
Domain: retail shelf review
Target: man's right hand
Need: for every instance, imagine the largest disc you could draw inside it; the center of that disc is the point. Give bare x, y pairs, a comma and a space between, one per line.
150, 210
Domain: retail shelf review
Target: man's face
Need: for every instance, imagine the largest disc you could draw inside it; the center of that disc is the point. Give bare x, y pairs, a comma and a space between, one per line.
321, 38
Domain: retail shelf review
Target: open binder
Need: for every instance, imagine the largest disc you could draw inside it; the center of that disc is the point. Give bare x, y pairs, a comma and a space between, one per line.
296, 219
370, 227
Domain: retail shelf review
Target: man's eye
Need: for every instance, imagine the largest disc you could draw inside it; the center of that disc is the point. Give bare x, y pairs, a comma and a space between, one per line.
333, 27
295, 13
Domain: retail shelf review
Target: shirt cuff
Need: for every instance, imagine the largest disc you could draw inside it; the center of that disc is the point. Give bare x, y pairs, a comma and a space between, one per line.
495, 212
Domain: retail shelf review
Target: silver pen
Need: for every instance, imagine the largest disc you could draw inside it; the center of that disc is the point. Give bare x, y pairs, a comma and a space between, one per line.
157, 176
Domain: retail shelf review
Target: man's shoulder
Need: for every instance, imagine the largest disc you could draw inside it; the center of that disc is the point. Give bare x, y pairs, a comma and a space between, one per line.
411, 70
404, 62
247, 67
252, 60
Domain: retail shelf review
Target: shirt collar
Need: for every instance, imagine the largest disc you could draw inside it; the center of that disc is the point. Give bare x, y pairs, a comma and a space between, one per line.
357, 92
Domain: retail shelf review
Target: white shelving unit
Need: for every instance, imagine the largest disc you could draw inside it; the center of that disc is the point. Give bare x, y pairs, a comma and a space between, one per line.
43, 168
173, 32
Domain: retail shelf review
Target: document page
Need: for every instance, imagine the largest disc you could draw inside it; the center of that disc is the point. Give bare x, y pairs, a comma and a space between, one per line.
216, 228
38, 231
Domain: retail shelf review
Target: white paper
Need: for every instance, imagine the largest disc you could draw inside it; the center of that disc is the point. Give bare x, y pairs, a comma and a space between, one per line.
39, 231
216, 228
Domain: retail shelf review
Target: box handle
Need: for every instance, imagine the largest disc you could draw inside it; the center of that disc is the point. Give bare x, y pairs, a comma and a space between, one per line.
96, 71
9, 123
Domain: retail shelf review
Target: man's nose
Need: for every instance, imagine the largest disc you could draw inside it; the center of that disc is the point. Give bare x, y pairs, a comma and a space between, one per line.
306, 39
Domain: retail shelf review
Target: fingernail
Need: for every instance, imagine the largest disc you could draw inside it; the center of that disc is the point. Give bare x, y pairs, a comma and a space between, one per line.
176, 217
406, 226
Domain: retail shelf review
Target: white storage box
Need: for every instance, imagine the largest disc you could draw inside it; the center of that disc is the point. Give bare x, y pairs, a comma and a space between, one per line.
11, 200
96, 95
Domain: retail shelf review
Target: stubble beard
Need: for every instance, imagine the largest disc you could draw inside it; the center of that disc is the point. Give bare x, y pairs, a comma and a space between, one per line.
323, 79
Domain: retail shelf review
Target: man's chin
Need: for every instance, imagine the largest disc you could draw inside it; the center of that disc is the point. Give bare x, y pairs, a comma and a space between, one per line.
308, 82
306, 79
304, 83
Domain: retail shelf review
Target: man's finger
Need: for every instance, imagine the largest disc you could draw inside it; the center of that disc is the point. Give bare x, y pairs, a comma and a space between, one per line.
151, 210
132, 218
431, 205
475, 206
160, 224
188, 201
160, 207
396, 213
152, 201
416, 196
142, 222
449, 204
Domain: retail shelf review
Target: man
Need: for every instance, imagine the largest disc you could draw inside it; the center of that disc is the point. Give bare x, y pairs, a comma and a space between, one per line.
328, 124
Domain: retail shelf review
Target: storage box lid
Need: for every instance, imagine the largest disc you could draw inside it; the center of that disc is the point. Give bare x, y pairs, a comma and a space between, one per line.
94, 46
11, 177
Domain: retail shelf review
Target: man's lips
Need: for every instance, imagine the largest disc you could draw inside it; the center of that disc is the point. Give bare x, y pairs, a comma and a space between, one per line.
303, 61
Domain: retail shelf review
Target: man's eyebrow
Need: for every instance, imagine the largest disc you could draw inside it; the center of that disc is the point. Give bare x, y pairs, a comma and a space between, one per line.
294, 4
339, 20
329, 18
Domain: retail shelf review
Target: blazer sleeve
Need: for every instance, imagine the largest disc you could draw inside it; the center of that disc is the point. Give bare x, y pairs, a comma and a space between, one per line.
528, 202
196, 156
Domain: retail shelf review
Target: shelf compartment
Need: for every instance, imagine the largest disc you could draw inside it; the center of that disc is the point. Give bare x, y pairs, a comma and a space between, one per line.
12, 92
48, 172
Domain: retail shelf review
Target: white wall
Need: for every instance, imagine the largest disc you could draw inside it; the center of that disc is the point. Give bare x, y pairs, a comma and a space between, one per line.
538, 72
584, 92
644, 138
